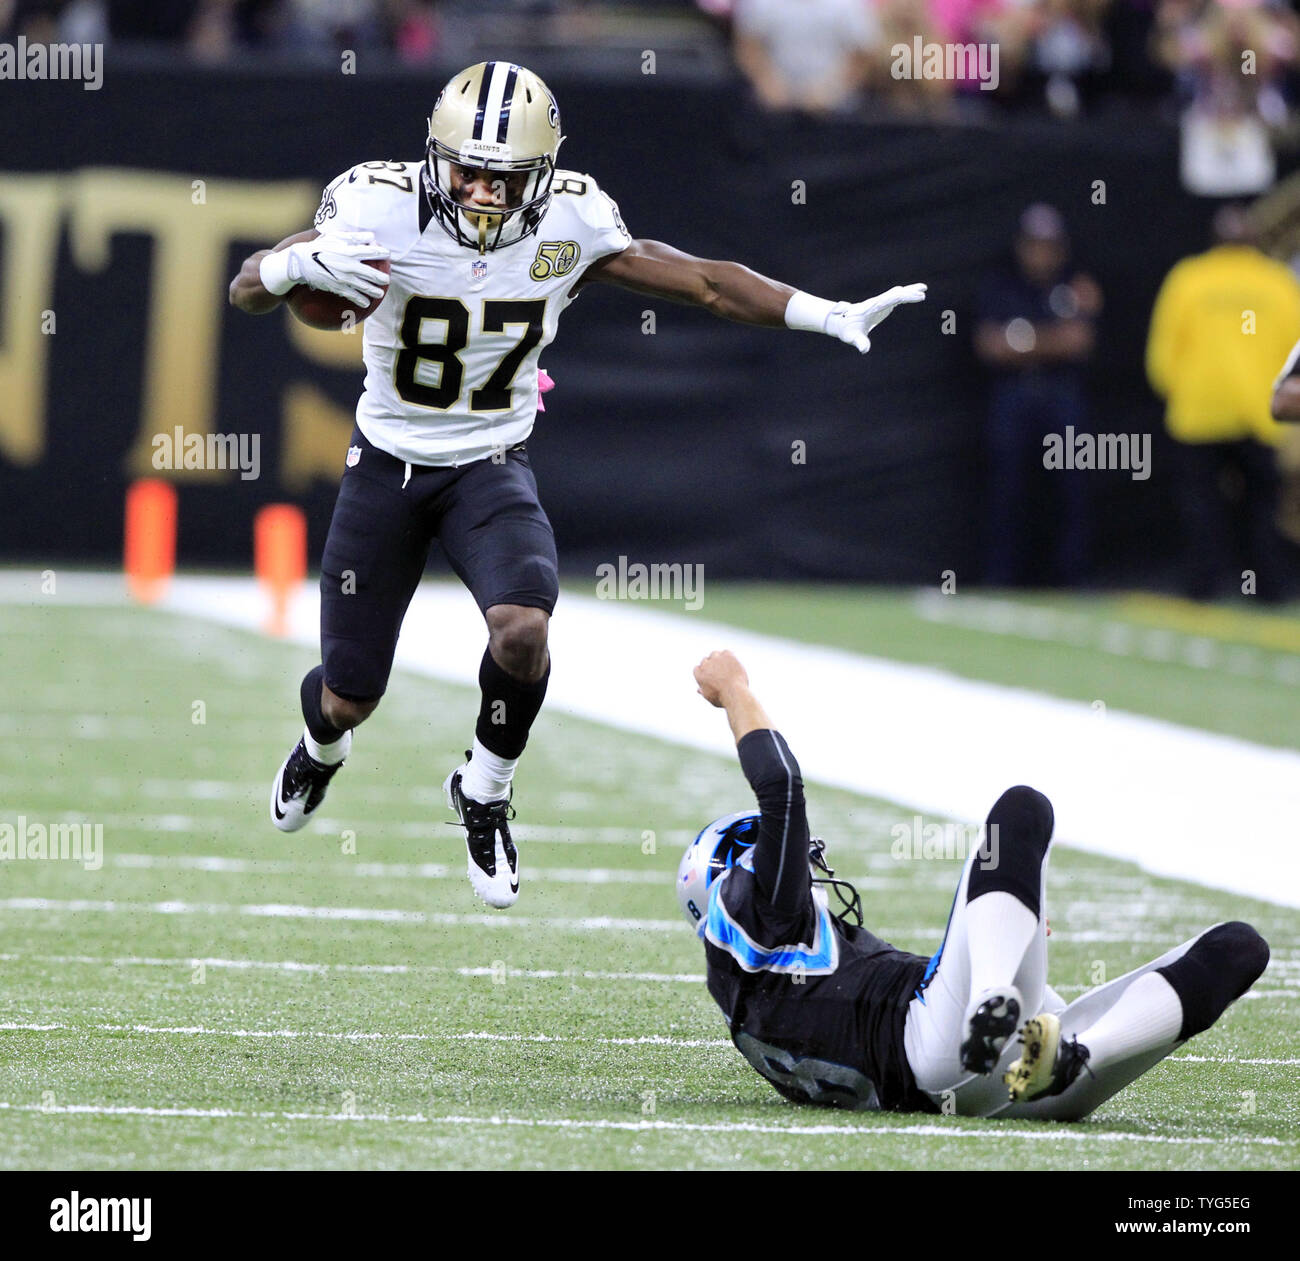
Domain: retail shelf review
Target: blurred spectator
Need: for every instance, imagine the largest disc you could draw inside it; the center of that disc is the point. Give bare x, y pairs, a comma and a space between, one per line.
810, 55
328, 26
1230, 59
84, 22
901, 22
1132, 66
1224, 323
417, 31
1068, 46
214, 30
1034, 333
719, 12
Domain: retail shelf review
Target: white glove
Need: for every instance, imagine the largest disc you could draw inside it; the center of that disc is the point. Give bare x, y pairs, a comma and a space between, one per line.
333, 262
850, 322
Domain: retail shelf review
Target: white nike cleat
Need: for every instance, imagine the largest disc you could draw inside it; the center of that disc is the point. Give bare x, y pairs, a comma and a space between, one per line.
991, 1019
300, 786
493, 860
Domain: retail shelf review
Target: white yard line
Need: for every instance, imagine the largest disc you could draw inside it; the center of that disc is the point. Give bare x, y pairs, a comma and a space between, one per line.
188, 963
400, 915
419, 871
359, 969
532, 833
330, 1035
385, 915
381, 871
1052, 1134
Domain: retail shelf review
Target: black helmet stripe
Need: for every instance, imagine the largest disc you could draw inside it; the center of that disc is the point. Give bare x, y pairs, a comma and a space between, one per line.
507, 97
488, 71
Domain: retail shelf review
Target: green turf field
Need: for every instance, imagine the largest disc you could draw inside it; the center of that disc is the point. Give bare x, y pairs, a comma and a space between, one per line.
219, 995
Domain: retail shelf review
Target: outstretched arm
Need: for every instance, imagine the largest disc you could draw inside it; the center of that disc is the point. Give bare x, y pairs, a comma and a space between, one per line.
781, 851
735, 292
726, 289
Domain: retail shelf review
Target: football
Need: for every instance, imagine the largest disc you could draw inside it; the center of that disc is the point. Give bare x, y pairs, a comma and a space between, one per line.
325, 310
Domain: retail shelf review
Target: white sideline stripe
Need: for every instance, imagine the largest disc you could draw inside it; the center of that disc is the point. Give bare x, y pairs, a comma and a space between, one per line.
274, 910
1054, 1134
358, 1036
1124, 785
475, 1036
363, 969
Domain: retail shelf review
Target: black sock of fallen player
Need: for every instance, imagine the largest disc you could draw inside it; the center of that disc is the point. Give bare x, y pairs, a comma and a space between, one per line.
322, 730
1016, 838
1219, 968
508, 708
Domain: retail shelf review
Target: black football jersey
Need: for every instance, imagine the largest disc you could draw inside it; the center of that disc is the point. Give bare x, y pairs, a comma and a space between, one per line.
816, 1006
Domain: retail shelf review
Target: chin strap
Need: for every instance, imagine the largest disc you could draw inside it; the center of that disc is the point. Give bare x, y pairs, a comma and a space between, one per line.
849, 911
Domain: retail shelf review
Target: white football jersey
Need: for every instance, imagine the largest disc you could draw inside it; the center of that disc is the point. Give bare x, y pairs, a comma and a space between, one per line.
451, 352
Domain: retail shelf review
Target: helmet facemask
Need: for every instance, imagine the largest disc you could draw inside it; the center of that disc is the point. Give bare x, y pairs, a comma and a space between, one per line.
526, 185
849, 910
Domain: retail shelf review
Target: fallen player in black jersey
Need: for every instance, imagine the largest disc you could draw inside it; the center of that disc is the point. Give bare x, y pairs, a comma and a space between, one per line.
830, 1014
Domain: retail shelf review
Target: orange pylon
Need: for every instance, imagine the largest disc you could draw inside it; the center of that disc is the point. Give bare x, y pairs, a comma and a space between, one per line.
149, 554
280, 558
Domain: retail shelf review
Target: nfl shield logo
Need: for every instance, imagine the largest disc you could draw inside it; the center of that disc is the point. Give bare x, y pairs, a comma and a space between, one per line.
354, 456
479, 269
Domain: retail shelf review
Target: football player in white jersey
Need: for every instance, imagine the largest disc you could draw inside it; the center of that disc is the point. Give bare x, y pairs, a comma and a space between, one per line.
487, 241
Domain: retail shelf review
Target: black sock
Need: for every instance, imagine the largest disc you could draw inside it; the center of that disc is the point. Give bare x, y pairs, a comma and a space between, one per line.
1017, 834
322, 731
508, 708
1219, 968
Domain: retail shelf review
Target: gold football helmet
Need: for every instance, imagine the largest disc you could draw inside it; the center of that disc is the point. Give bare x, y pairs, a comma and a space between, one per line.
494, 117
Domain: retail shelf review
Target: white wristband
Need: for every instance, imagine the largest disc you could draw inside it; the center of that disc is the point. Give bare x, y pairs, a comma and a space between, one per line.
807, 313
273, 271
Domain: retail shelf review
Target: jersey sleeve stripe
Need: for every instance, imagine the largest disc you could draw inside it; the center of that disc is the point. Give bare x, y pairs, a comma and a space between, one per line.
789, 798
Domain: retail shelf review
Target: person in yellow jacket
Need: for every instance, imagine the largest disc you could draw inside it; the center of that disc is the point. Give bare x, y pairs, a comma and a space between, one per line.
1223, 322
